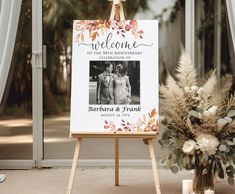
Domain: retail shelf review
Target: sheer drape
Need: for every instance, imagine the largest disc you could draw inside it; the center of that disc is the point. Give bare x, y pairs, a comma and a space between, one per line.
9, 17
231, 16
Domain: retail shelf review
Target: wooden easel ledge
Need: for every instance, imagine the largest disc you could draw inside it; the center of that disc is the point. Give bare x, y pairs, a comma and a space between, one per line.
143, 135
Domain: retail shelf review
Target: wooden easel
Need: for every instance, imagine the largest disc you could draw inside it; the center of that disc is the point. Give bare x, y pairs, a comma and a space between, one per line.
117, 13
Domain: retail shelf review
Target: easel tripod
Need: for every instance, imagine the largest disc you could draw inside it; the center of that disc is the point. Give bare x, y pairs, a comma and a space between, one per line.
117, 13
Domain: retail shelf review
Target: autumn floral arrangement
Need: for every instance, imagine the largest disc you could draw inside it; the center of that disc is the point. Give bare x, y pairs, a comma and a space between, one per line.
199, 120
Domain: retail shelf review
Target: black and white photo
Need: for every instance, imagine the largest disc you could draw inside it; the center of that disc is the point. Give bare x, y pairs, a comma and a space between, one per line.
114, 82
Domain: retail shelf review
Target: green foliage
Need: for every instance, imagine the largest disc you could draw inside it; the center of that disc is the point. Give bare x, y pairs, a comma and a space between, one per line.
178, 160
174, 169
222, 148
231, 180
177, 7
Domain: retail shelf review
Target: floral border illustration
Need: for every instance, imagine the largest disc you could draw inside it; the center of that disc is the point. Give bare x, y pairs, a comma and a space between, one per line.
96, 28
142, 124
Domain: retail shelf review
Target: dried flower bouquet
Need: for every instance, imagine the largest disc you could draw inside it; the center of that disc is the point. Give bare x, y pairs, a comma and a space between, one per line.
199, 116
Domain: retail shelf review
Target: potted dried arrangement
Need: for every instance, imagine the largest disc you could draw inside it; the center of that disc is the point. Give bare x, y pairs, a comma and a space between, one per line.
199, 120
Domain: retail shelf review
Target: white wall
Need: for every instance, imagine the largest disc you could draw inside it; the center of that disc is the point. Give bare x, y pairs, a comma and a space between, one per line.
170, 34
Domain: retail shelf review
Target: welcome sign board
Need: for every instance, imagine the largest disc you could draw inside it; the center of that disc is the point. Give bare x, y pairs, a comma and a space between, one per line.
114, 76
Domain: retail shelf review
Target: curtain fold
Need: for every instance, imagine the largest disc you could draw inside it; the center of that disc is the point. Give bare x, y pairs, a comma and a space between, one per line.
9, 18
4, 23
231, 16
0, 5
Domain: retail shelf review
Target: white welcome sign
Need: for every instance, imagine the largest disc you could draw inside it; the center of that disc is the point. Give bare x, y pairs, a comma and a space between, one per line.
114, 76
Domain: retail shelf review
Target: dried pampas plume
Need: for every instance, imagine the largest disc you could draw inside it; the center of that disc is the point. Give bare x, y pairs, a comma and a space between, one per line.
186, 75
185, 93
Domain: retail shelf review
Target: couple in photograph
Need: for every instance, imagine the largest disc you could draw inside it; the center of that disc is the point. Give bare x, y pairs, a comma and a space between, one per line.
113, 88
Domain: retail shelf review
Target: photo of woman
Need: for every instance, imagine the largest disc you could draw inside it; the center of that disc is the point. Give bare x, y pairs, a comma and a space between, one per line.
121, 85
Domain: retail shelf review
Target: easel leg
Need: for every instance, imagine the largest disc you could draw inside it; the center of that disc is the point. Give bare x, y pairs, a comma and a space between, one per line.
116, 161
154, 166
74, 165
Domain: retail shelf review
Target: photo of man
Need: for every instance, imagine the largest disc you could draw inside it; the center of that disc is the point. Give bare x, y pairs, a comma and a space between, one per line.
104, 94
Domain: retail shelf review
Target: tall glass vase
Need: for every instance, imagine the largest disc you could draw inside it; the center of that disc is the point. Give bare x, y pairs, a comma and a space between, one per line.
203, 179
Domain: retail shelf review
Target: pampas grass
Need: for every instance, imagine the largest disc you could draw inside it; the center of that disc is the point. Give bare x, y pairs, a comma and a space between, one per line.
185, 93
